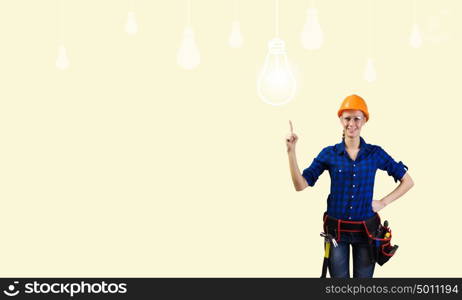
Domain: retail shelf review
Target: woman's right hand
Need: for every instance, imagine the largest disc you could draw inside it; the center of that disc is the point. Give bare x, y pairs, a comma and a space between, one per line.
291, 139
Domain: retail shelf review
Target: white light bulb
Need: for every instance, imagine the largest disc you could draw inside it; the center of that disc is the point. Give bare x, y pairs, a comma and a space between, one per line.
188, 56
276, 84
312, 36
131, 27
369, 74
235, 38
62, 61
416, 38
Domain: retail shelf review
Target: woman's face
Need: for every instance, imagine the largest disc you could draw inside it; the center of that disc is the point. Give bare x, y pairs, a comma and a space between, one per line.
352, 121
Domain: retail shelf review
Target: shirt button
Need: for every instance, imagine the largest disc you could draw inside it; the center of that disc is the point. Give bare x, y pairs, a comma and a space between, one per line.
354, 165
353, 185
351, 207
340, 170
354, 174
352, 196
349, 218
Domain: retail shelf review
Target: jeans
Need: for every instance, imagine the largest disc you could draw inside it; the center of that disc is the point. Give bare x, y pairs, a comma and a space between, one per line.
339, 261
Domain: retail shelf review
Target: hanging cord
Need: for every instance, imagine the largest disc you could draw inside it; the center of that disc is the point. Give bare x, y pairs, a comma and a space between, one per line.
58, 21
371, 27
189, 12
236, 10
277, 18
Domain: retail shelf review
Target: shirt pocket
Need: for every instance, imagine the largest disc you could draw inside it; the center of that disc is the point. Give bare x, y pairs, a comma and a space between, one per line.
338, 172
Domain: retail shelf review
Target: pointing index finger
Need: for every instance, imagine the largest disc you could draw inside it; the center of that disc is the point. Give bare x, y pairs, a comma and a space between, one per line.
291, 127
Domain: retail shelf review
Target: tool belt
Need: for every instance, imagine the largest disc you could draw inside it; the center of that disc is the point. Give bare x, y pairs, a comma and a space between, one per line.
379, 236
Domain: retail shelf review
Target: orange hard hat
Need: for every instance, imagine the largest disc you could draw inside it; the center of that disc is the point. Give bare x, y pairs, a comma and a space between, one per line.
354, 102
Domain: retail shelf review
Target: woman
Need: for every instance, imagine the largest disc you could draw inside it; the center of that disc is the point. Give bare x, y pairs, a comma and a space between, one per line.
352, 165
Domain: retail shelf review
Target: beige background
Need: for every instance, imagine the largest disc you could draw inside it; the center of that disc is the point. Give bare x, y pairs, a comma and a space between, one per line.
127, 165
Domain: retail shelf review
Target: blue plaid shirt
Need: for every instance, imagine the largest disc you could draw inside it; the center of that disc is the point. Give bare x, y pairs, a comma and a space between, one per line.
352, 182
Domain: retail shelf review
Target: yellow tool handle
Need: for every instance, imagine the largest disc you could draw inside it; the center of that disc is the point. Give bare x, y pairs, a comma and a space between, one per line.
326, 250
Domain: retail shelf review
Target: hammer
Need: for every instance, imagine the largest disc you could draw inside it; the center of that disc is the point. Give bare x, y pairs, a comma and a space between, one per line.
328, 238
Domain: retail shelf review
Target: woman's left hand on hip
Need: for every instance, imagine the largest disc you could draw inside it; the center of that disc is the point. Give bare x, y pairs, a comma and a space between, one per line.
377, 205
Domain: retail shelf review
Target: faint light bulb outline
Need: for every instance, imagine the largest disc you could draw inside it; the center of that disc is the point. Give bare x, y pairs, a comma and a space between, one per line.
62, 61
276, 84
415, 40
434, 28
188, 56
370, 74
131, 25
415, 37
312, 36
235, 39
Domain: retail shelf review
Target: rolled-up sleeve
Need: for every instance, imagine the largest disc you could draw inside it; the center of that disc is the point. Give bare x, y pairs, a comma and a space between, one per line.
393, 168
319, 164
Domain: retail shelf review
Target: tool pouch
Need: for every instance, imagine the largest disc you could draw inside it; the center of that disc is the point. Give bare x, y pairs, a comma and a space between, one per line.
383, 248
